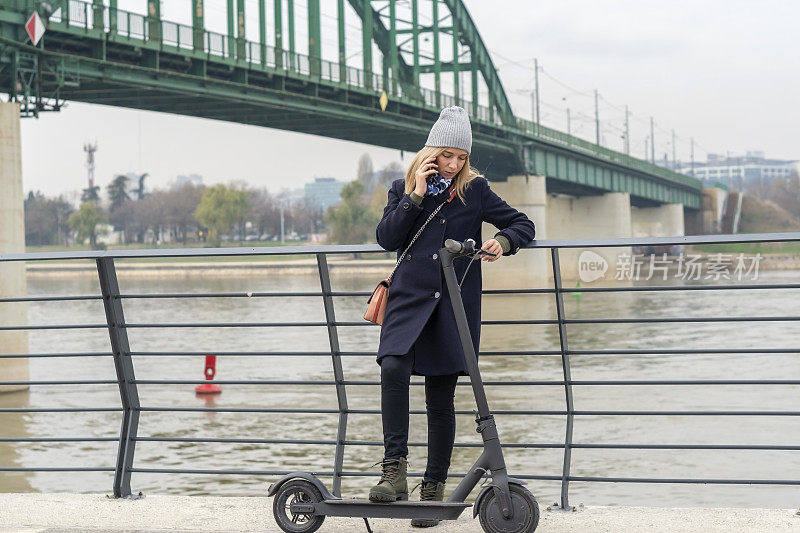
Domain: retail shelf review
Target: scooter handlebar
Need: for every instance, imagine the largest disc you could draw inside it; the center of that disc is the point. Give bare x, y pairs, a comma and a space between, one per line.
460, 247
467, 247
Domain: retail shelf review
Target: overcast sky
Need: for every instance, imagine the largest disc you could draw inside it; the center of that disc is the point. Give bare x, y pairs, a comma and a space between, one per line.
726, 72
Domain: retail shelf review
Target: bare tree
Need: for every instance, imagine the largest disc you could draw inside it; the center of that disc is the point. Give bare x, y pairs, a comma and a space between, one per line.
307, 216
266, 216
151, 214
365, 173
180, 203
388, 174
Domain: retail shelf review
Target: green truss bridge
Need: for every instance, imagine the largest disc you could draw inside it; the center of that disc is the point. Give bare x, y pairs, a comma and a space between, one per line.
416, 56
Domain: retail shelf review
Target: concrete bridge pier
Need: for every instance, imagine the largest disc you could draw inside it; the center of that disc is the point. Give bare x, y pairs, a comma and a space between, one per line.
605, 216
557, 216
12, 240
528, 194
562, 216
662, 221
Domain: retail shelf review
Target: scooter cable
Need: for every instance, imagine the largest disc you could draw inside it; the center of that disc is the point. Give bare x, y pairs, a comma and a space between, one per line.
467, 269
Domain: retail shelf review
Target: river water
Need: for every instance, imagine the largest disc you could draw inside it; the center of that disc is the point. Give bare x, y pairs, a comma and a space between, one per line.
605, 429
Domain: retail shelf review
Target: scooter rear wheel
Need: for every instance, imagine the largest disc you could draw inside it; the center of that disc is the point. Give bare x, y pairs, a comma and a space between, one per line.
526, 512
296, 491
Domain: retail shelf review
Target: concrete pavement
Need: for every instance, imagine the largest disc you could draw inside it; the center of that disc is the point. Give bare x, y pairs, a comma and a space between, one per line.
68, 513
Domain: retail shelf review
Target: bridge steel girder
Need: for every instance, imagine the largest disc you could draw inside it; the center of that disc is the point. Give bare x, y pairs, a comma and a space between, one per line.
465, 31
468, 33
253, 92
381, 35
144, 88
571, 173
405, 129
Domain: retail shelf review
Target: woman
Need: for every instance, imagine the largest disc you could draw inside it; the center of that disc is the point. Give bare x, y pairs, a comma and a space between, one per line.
419, 334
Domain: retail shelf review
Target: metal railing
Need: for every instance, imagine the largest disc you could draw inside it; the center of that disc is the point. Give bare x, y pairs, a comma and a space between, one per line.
132, 409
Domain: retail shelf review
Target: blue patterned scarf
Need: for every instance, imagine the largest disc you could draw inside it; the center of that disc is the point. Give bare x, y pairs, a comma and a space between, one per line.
437, 184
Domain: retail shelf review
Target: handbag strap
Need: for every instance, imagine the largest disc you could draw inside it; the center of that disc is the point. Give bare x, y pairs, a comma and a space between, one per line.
400, 259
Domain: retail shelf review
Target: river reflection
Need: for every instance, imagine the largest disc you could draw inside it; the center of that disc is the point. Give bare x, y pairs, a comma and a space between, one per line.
543, 429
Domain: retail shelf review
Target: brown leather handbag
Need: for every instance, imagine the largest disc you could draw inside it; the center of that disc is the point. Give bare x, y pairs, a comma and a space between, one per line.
376, 305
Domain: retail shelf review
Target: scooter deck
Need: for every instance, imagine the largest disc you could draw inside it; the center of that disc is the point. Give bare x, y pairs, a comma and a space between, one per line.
399, 509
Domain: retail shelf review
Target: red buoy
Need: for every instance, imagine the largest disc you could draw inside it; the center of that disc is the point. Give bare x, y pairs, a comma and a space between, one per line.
210, 371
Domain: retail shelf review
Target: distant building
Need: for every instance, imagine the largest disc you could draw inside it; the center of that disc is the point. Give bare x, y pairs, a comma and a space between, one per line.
325, 191
739, 171
194, 179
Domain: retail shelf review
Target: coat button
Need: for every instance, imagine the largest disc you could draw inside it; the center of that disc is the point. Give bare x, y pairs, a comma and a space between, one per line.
441, 221
436, 256
436, 294
406, 206
408, 257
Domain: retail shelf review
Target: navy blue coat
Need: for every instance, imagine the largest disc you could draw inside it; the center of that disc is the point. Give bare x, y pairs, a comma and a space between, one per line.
419, 314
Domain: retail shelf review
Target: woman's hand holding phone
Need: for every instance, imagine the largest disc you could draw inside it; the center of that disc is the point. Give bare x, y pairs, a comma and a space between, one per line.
426, 169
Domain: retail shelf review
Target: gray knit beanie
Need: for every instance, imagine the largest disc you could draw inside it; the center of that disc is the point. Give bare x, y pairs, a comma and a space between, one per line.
452, 130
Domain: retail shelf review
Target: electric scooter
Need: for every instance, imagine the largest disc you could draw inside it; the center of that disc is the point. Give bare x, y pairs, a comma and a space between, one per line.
503, 506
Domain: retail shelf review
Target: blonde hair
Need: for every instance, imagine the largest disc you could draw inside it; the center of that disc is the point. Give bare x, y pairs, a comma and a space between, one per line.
462, 179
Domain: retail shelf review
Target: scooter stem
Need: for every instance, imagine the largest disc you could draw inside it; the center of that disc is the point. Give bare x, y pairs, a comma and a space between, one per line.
492, 456
463, 331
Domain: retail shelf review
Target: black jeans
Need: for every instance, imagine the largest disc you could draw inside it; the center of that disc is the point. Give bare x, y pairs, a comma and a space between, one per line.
439, 393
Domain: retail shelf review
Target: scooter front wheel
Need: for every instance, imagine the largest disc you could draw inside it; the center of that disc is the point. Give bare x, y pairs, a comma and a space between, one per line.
296, 491
526, 512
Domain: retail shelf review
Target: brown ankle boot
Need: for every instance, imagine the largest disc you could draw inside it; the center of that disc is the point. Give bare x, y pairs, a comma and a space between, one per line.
431, 491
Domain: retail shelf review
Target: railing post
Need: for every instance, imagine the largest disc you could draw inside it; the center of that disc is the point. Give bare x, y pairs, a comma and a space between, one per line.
562, 335
338, 374
124, 368
98, 15
153, 21
112, 18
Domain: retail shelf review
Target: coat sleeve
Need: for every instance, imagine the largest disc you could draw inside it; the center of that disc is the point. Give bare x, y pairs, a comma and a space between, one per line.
398, 218
513, 224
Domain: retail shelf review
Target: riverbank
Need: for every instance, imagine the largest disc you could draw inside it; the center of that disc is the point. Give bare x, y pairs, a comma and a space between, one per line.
97, 512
